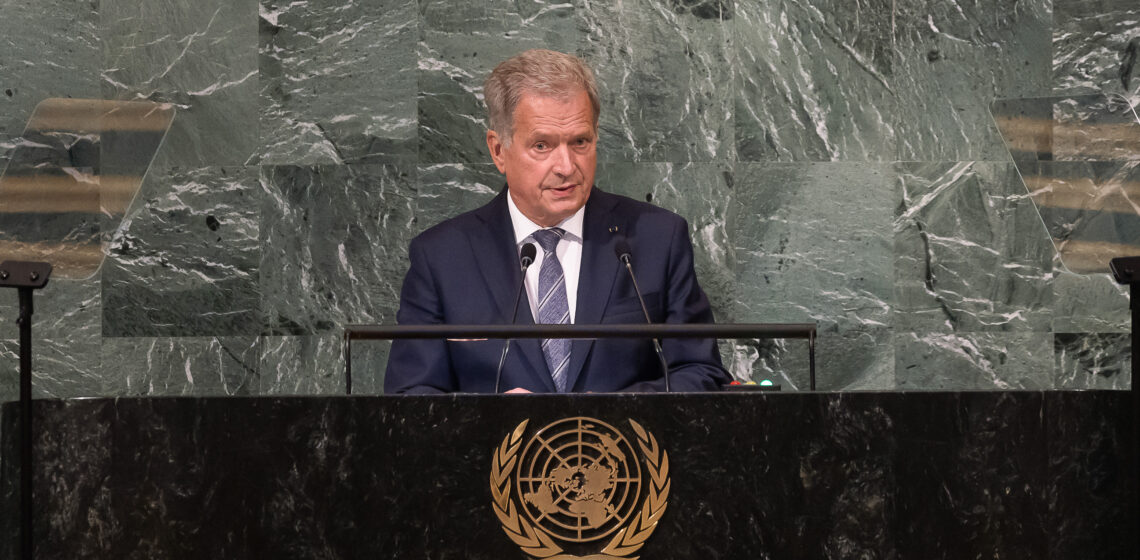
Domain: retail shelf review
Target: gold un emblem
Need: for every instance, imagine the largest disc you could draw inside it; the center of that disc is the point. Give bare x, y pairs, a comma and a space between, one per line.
577, 485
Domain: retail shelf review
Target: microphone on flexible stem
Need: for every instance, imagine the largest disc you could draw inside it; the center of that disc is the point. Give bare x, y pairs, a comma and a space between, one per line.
526, 258
621, 249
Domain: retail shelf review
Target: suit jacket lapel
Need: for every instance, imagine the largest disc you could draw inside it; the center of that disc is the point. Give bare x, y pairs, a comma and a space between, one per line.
494, 248
496, 251
597, 274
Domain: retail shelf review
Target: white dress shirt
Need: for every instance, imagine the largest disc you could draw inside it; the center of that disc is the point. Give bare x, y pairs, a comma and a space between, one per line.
569, 251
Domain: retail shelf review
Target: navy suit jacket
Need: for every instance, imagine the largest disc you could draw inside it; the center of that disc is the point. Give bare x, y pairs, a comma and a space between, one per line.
465, 271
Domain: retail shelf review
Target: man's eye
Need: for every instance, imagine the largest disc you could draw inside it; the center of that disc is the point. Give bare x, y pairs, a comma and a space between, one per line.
540, 146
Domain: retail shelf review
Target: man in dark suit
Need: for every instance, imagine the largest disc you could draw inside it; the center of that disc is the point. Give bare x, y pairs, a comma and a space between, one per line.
543, 109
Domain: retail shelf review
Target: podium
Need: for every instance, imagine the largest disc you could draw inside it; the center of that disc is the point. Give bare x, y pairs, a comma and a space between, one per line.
732, 476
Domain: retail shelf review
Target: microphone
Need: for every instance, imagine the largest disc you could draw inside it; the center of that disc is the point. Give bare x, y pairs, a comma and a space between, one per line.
621, 249
526, 258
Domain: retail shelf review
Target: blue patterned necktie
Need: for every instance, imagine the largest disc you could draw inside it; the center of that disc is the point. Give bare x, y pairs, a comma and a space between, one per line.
553, 307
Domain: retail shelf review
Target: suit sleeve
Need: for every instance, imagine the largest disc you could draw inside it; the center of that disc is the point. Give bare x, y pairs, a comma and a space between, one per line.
419, 366
694, 364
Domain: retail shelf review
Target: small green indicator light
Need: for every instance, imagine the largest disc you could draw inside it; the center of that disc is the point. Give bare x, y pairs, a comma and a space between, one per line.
766, 382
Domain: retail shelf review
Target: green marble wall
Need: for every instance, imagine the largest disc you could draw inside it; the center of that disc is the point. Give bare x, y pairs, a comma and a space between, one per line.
837, 162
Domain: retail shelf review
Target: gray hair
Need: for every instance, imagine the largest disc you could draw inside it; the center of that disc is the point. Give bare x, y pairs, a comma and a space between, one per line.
547, 73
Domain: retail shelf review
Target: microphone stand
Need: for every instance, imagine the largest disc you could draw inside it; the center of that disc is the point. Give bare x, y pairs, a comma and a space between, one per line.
645, 310
525, 260
623, 254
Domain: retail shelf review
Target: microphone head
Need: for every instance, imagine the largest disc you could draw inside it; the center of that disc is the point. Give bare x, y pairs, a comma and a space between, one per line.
527, 254
621, 249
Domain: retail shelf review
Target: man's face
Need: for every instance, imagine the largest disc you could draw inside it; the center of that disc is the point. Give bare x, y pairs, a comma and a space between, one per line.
552, 155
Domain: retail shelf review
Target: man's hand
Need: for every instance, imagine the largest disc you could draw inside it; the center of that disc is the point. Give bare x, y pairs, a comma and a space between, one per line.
517, 391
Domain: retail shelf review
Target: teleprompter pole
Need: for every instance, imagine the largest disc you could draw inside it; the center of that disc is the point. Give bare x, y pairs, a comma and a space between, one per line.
26, 277
1126, 270
25, 322
1134, 303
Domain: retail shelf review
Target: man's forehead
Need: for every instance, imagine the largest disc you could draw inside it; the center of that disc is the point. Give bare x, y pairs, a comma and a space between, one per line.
557, 91
548, 110
562, 97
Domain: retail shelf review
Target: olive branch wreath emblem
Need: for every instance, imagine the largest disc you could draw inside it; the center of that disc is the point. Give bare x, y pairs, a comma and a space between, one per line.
538, 543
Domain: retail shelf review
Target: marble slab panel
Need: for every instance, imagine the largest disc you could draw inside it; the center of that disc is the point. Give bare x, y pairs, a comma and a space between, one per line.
971, 253
61, 368
1092, 303
334, 242
313, 365
974, 361
954, 58
664, 70
1091, 42
199, 56
447, 190
989, 504
1093, 361
813, 244
338, 82
47, 49
184, 261
369, 362
180, 366
460, 43
66, 368
976, 436
64, 309
814, 81
1094, 462
844, 464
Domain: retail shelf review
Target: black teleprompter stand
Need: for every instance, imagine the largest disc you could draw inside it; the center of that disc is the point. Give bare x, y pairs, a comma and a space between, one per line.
1126, 270
25, 277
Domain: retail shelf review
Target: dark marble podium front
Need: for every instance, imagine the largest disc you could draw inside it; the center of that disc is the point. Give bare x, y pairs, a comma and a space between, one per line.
1019, 475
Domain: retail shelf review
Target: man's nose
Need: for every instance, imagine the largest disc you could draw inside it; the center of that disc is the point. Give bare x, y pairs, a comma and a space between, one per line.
563, 165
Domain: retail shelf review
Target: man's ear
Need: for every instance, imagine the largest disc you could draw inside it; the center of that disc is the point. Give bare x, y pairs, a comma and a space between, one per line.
495, 146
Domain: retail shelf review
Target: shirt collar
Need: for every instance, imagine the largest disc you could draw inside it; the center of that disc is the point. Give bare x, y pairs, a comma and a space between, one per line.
524, 227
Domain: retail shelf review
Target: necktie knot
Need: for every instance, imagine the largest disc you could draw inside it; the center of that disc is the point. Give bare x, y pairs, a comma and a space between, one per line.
548, 238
